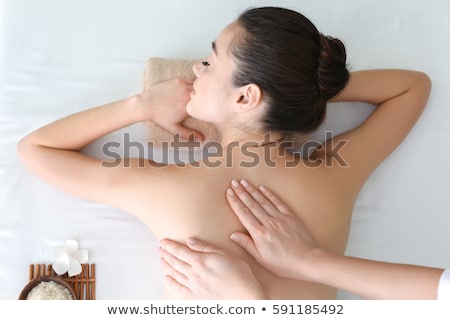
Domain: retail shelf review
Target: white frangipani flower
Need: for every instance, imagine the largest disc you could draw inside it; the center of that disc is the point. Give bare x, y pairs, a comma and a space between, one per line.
69, 258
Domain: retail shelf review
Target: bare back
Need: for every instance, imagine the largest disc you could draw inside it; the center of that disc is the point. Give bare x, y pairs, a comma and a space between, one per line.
191, 202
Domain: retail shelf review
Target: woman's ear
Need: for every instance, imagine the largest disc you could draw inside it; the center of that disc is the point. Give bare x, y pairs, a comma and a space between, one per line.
248, 98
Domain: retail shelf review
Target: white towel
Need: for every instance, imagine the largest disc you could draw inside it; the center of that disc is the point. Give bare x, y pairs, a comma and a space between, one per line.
444, 286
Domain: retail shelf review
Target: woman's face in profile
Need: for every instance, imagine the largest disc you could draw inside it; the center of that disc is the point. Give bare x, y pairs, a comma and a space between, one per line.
213, 95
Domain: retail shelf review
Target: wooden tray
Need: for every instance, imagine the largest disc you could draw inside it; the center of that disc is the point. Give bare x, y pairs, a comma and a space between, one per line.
83, 284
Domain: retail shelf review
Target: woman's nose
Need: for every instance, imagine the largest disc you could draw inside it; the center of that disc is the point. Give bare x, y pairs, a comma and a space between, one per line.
197, 68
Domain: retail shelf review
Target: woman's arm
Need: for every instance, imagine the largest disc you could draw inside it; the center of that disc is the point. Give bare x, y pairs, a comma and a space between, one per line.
52, 152
278, 240
400, 97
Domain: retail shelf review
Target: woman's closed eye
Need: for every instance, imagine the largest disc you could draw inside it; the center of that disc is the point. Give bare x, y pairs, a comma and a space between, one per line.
205, 63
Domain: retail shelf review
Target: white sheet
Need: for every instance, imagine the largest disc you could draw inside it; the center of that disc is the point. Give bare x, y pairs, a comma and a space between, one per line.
59, 57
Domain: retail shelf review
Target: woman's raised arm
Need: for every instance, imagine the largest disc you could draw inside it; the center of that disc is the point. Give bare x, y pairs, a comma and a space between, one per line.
400, 97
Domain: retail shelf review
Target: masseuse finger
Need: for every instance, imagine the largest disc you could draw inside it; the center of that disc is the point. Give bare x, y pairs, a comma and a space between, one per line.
246, 217
279, 205
265, 203
176, 286
249, 203
175, 250
249, 221
170, 269
201, 246
246, 242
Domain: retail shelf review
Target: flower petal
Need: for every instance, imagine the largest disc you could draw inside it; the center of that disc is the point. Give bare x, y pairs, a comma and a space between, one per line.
71, 246
74, 267
58, 252
61, 266
81, 255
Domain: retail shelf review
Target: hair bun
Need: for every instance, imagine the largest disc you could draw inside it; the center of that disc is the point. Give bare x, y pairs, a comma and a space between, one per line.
332, 73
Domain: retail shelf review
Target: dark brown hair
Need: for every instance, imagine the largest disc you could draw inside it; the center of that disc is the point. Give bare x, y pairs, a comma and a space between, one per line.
297, 68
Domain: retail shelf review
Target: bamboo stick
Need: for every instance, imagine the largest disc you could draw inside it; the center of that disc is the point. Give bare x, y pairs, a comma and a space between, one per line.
75, 286
82, 284
88, 285
93, 283
31, 272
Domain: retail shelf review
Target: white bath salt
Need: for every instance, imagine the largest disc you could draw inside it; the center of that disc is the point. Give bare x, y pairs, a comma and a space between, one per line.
49, 290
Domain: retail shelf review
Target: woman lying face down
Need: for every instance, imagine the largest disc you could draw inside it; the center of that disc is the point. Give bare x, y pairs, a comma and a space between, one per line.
270, 71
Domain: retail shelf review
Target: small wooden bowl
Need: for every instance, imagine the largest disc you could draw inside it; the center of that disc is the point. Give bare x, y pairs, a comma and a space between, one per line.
33, 283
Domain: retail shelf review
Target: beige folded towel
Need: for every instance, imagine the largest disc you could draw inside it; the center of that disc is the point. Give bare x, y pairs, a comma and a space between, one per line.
162, 69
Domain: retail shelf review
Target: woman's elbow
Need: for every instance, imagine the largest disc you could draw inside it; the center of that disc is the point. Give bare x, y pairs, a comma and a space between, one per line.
425, 81
422, 87
21, 148
24, 148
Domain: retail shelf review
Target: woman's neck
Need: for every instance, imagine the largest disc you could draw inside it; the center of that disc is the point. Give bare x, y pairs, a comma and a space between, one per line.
233, 135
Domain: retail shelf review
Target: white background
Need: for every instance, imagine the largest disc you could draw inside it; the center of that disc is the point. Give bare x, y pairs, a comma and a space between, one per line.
59, 57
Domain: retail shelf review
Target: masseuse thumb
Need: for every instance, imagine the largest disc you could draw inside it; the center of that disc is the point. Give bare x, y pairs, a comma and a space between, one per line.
200, 246
245, 242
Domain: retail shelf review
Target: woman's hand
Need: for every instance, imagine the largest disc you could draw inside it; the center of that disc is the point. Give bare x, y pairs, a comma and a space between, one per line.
276, 237
201, 271
165, 104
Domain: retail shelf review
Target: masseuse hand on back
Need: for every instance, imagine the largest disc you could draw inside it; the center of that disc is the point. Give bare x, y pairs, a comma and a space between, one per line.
277, 239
